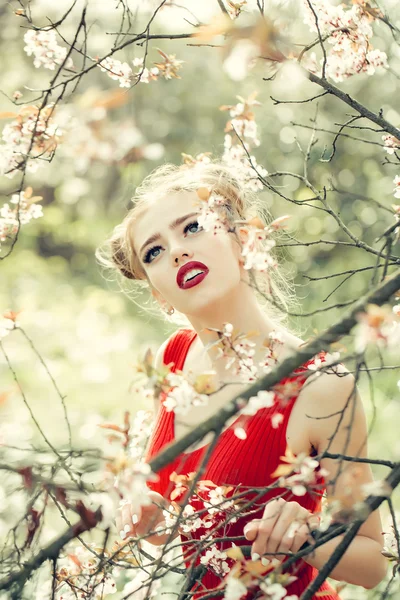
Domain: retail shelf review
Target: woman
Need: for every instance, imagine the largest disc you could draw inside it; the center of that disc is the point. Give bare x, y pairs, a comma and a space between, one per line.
190, 241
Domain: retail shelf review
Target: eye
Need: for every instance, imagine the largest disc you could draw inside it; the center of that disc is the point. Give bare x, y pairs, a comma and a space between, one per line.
189, 225
148, 258
149, 254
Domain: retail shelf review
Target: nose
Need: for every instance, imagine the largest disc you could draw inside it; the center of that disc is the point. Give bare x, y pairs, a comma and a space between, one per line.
179, 255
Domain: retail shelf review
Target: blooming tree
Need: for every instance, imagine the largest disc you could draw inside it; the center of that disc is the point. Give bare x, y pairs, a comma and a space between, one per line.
88, 558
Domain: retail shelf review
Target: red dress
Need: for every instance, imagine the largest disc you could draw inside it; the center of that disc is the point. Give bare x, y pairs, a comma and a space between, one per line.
248, 463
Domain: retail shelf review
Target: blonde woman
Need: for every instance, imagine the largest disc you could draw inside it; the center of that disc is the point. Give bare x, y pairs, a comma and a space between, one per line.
201, 276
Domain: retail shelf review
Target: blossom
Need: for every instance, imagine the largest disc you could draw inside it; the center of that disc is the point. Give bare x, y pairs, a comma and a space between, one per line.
228, 328
183, 396
6, 325
304, 468
391, 549
264, 399
274, 591
377, 488
108, 502
235, 8
143, 586
26, 210
235, 153
202, 158
33, 131
144, 75
256, 254
390, 143
377, 325
241, 58
209, 219
276, 420
83, 570
170, 66
139, 433
130, 480
117, 70
45, 49
189, 520
324, 359
234, 589
215, 559
217, 497
349, 32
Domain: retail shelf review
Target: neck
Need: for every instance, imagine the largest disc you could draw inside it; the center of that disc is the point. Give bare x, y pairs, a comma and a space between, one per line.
243, 312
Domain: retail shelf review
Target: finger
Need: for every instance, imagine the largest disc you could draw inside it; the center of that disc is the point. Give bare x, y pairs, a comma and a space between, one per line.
266, 526
127, 525
303, 533
250, 529
280, 538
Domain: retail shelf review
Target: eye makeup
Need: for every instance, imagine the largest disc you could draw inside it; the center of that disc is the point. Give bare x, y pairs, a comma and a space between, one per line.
148, 256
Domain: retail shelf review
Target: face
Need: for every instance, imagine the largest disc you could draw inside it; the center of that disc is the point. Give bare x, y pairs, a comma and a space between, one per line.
162, 259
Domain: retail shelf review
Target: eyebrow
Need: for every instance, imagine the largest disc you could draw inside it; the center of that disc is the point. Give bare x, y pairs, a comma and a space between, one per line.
172, 226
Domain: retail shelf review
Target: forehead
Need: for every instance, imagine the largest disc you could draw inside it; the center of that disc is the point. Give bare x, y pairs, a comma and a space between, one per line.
158, 214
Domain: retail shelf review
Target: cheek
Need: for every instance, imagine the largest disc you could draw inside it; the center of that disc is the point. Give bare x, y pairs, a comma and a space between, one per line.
227, 251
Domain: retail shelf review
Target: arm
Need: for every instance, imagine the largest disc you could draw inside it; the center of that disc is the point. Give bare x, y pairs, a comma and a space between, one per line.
329, 396
326, 398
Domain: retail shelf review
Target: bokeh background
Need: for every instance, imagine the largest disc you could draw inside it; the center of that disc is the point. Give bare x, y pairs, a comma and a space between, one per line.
90, 332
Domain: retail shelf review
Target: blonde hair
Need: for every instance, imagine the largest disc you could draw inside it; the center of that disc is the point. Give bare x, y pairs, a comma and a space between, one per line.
274, 290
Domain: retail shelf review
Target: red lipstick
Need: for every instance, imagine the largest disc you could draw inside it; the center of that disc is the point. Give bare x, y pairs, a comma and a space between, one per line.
190, 266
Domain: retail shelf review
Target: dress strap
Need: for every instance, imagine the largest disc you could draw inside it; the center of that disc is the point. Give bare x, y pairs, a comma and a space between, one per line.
178, 347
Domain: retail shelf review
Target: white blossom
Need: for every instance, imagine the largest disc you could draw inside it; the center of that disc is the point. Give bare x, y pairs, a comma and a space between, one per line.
234, 589
276, 420
274, 591
117, 70
324, 360
6, 325
390, 542
349, 32
264, 399
183, 396
390, 143
215, 559
377, 325
140, 431
33, 132
45, 49
257, 256
144, 74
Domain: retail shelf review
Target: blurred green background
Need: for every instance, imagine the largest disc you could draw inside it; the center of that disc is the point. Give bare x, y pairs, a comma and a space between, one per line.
89, 333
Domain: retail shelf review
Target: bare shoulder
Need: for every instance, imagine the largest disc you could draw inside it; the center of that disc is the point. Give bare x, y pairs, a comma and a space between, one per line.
334, 408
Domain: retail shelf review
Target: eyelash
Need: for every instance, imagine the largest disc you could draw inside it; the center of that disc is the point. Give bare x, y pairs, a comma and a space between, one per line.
147, 255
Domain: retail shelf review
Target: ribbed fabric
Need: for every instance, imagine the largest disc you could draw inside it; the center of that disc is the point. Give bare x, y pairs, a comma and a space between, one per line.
248, 463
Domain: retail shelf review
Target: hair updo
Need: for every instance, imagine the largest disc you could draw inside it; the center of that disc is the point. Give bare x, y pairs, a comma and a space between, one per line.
118, 254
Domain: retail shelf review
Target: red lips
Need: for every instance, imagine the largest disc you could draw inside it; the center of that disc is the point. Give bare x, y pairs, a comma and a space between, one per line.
188, 267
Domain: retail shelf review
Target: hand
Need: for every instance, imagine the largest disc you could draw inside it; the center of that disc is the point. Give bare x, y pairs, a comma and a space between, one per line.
142, 521
284, 527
